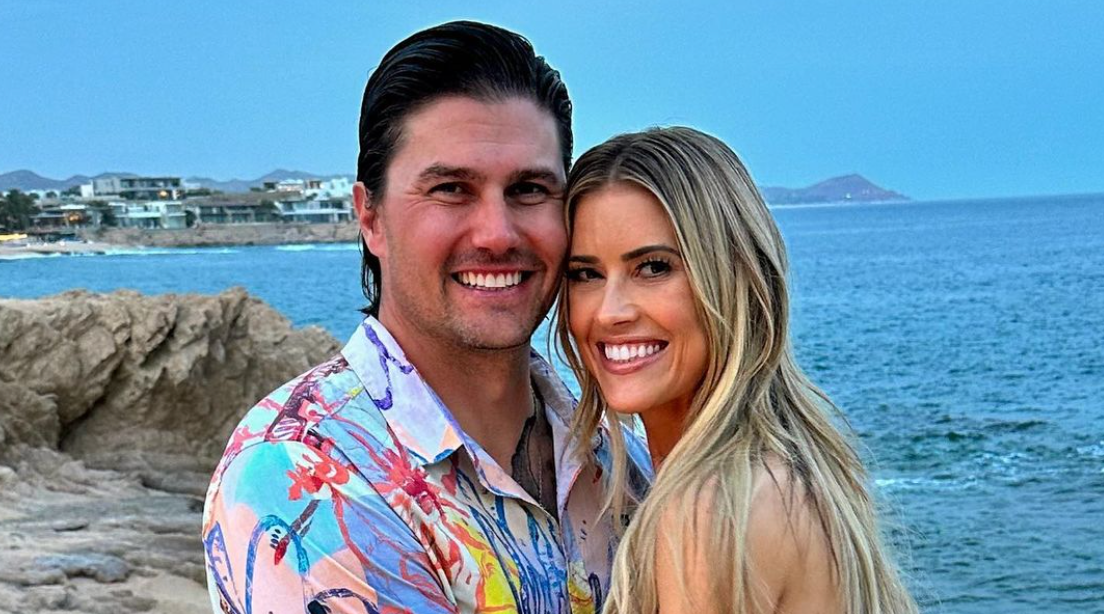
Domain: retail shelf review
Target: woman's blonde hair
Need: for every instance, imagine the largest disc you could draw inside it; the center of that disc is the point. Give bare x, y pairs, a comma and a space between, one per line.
754, 402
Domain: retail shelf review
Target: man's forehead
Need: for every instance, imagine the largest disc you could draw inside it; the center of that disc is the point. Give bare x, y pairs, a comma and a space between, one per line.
449, 125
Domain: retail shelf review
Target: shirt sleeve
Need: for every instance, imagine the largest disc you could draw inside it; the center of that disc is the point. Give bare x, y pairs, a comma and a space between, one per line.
291, 529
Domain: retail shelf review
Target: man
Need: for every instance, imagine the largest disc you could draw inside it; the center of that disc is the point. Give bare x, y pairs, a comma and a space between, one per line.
429, 466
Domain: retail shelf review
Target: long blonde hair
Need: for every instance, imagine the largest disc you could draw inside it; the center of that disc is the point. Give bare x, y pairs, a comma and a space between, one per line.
754, 403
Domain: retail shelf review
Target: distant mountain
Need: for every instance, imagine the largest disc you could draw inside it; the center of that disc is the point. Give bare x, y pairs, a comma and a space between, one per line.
848, 188
243, 185
29, 180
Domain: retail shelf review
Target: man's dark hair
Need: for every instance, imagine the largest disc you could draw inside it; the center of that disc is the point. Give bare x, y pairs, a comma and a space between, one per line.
459, 58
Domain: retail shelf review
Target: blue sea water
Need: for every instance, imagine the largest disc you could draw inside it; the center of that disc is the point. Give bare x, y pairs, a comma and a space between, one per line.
964, 340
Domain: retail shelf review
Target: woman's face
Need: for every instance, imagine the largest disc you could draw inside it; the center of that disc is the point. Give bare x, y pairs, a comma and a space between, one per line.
630, 307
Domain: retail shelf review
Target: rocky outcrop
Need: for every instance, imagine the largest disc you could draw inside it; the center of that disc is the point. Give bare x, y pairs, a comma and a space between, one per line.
113, 411
845, 189
226, 234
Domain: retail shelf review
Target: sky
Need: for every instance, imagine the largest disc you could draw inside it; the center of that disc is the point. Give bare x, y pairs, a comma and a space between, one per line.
936, 99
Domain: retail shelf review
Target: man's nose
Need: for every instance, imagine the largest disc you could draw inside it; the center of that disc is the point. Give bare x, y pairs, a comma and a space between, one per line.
494, 227
618, 305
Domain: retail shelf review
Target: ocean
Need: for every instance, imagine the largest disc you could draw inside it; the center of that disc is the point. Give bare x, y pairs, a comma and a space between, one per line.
964, 340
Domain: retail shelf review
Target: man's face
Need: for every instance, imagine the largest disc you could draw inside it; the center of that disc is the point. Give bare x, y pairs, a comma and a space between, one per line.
470, 231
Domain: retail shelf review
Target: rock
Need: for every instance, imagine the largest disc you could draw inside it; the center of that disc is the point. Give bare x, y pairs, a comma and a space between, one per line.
227, 234
7, 475
30, 575
100, 567
116, 375
47, 598
114, 409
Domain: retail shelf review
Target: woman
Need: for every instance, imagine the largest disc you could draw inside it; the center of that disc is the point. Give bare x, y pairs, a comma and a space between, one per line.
676, 309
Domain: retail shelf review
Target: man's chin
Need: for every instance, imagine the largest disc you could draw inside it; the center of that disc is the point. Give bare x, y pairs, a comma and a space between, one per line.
479, 340
496, 333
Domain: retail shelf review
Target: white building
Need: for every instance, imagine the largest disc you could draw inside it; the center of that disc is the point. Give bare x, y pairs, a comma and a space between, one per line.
150, 214
337, 187
315, 210
105, 186
139, 188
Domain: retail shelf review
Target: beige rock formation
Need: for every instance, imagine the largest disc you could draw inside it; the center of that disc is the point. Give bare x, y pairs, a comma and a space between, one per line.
227, 234
113, 411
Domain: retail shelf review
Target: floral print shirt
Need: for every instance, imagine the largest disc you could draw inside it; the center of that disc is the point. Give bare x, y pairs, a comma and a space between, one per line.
353, 489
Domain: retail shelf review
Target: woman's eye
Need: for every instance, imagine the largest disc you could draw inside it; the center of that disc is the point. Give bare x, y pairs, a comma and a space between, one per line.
654, 268
581, 274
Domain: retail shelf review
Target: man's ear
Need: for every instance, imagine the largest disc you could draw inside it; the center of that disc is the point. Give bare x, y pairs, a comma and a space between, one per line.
368, 216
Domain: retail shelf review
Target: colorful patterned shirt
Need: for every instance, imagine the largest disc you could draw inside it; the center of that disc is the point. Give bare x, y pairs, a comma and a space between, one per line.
353, 489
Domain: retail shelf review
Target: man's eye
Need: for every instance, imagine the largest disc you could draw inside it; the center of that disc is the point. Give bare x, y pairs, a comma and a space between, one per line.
449, 191
528, 193
654, 268
581, 274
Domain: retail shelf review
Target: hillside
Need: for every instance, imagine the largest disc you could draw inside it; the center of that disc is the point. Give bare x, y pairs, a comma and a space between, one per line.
29, 180
848, 188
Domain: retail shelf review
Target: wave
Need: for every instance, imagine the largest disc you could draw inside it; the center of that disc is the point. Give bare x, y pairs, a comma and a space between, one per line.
1095, 451
924, 483
28, 256
319, 247
165, 251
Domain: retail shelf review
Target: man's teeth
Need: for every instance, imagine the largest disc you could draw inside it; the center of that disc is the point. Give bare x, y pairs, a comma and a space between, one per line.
627, 352
490, 280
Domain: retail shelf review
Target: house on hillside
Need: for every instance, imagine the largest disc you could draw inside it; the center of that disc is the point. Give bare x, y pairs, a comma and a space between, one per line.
315, 210
139, 188
60, 214
150, 214
245, 208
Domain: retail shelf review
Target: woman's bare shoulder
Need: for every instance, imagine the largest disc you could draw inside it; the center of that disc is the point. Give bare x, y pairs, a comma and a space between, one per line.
789, 557
789, 551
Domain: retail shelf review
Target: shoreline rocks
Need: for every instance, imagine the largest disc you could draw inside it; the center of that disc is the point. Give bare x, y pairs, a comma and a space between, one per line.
219, 235
114, 409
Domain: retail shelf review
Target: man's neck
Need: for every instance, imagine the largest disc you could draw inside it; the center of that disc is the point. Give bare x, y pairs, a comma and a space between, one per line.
487, 391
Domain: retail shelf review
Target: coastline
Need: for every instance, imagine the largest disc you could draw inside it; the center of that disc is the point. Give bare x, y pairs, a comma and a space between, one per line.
58, 248
100, 241
225, 235
114, 411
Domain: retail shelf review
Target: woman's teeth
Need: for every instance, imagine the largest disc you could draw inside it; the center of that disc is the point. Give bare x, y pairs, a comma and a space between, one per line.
490, 280
627, 352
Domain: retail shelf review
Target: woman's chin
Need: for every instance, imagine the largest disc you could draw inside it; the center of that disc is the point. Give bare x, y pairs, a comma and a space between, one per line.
626, 405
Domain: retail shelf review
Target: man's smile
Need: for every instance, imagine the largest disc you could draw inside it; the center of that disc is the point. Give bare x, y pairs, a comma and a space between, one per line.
492, 280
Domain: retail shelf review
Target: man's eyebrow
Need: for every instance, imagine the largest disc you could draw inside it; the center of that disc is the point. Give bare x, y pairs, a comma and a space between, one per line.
546, 175
441, 171
647, 249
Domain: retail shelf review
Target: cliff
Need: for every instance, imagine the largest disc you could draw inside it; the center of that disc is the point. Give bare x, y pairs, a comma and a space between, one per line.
226, 234
113, 411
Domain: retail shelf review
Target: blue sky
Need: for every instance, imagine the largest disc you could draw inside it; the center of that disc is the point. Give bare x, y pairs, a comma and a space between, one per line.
935, 99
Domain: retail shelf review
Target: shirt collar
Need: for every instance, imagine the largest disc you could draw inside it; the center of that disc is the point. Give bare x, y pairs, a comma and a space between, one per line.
426, 428
414, 413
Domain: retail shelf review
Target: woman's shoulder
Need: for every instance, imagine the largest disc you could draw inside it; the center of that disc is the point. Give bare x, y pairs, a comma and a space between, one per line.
789, 549
789, 555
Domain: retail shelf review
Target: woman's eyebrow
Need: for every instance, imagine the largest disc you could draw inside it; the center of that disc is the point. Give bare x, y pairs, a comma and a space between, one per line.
583, 259
640, 251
